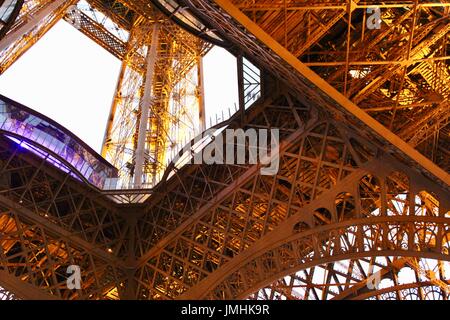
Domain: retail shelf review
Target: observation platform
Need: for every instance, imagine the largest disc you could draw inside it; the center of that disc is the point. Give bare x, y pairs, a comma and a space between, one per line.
60, 147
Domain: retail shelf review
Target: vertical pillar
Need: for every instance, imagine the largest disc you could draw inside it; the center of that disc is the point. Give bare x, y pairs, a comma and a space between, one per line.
201, 93
145, 107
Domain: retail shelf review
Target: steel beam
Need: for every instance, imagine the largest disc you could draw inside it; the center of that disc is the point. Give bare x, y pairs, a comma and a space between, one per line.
327, 90
33, 21
147, 100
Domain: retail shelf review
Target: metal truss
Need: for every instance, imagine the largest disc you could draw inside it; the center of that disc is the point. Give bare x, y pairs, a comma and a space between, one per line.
174, 99
121, 138
49, 221
35, 19
121, 30
178, 54
250, 39
398, 72
117, 11
226, 231
350, 199
348, 279
97, 32
192, 239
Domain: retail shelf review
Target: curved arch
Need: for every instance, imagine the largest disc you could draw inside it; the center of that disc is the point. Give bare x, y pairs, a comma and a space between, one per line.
415, 285
426, 204
43, 133
321, 245
244, 294
323, 216
353, 280
405, 273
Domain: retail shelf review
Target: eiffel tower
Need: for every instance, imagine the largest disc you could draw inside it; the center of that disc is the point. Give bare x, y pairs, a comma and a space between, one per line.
359, 91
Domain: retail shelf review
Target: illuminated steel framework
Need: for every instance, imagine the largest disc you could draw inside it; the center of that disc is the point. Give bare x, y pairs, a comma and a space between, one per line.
396, 71
356, 197
137, 145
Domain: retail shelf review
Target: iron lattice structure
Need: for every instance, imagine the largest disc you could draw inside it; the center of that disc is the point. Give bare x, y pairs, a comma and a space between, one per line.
125, 30
355, 196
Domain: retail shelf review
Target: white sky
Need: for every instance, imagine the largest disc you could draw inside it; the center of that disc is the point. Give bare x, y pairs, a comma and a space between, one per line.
72, 80
221, 87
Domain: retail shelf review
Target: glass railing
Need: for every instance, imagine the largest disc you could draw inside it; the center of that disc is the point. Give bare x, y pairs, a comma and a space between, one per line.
29, 128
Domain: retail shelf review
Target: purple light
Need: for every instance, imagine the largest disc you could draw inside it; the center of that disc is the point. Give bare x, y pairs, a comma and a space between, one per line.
29, 124
48, 157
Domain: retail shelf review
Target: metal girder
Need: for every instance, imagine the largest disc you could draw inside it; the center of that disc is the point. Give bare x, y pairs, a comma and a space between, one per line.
349, 279
50, 193
117, 11
310, 5
31, 26
315, 90
49, 221
437, 117
145, 107
278, 262
31, 21
348, 191
98, 33
206, 224
372, 66
199, 229
173, 74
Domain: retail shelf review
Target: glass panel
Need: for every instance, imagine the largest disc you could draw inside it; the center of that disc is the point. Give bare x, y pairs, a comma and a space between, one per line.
22, 122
